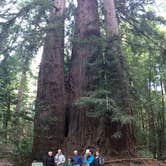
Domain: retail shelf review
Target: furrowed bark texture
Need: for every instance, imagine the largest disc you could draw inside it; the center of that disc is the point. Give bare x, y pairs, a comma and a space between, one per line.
58, 123
83, 129
49, 118
118, 76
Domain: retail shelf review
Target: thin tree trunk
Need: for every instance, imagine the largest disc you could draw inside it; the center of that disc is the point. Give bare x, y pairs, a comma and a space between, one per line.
16, 123
21, 92
152, 136
6, 117
151, 122
7, 105
142, 119
161, 126
118, 76
50, 115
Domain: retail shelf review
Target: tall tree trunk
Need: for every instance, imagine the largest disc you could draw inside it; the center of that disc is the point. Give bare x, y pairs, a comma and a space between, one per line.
87, 31
118, 77
21, 92
82, 129
151, 122
161, 123
7, 116
50, 114
17, 127
7, 108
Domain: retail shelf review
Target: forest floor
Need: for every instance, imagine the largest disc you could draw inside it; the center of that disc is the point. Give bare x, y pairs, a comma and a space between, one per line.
115, 162
5, 162
135, 162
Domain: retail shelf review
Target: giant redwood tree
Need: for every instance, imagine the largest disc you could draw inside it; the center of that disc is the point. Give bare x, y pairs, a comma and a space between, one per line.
49, 117
119, 83
58, 122
84, 87
82, 129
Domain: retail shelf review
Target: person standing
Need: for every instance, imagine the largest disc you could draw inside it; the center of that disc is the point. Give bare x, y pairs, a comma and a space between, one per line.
69, 162
59, 158
90, 158
99, 160
50, 159
85, 162
76, 159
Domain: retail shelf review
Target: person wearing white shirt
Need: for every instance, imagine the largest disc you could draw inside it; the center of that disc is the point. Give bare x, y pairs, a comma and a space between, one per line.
59, 158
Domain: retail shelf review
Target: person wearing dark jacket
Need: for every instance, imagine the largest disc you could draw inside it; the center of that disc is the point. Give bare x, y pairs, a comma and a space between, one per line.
99, 160
50, 159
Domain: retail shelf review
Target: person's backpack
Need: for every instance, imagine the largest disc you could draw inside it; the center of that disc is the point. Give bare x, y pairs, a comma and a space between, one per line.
101, 160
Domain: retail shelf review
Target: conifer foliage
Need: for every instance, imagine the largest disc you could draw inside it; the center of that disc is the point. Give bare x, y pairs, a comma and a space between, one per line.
101, 81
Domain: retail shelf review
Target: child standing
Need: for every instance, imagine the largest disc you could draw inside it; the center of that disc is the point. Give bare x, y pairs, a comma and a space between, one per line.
69, 163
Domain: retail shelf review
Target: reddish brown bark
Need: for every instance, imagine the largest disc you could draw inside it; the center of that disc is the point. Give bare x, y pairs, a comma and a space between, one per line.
118, 76
49, 117
83, 129
52, 122
87, 28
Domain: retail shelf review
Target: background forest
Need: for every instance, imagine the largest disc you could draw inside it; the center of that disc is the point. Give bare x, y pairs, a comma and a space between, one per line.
23, 27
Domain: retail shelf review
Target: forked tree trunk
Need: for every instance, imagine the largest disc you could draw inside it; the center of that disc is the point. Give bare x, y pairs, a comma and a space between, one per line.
118, 76
82, 129
49, 117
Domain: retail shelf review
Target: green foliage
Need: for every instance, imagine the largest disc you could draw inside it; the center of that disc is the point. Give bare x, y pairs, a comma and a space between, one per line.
145, 153
98, 102
143, 44
22, 29
23, 151
8, 85
143, 39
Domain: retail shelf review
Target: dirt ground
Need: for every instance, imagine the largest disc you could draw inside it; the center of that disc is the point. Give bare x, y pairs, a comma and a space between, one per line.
135, 162
4, 162
116, 162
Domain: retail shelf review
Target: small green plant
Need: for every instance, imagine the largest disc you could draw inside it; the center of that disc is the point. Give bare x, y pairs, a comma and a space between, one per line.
22, 152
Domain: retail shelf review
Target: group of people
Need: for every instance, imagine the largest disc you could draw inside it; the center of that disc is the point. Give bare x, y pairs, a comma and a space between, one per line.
76, 160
